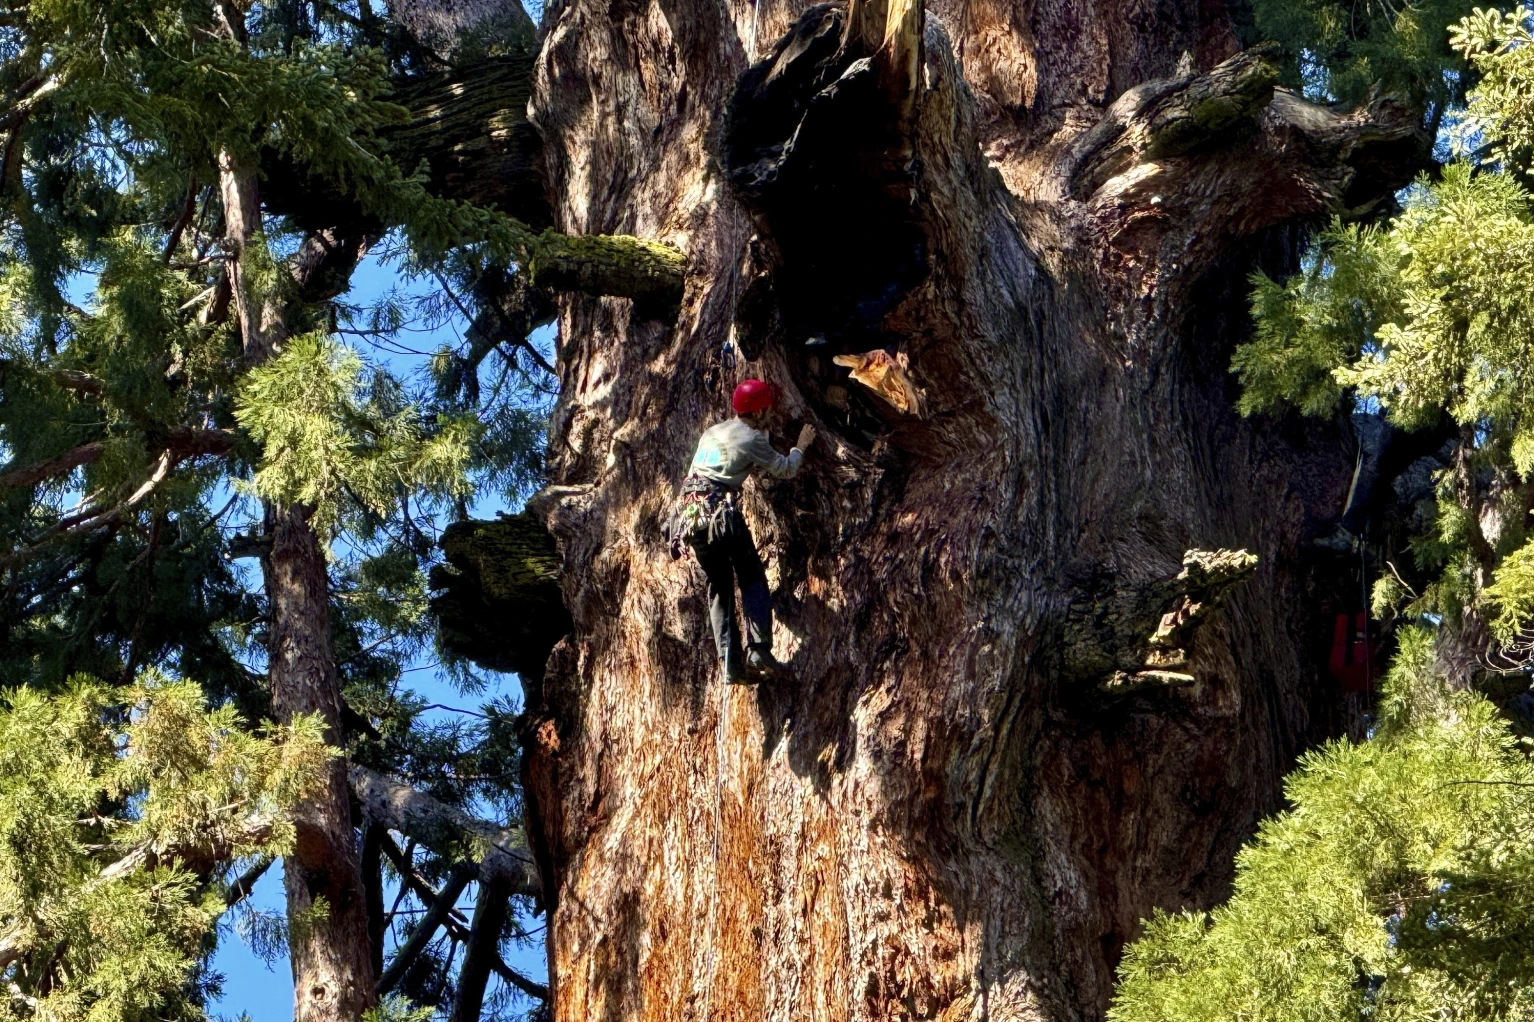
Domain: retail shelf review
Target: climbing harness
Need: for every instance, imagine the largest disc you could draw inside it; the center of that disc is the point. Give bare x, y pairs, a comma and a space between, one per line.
702, 512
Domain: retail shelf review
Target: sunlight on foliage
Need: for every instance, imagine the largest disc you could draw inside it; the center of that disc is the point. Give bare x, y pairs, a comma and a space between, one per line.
324, 440
1398, 886
1433, 316
122, 811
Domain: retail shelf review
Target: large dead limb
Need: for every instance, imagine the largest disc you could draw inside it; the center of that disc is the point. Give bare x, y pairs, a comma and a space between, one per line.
500, 852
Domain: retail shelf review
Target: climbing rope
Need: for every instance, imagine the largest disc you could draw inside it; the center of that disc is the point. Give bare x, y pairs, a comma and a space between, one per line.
720, 728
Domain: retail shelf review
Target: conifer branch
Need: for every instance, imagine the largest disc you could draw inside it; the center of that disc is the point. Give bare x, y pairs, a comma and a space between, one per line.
199, 856
58, 465
184, 445
241, 888
412, 882
29, 97
521, 982
482, 950
69, 379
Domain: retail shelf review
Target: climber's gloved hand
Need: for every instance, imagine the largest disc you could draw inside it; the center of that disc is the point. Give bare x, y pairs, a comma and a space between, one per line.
806, 437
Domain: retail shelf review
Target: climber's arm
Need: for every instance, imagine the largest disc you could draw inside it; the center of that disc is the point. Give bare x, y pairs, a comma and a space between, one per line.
779, 466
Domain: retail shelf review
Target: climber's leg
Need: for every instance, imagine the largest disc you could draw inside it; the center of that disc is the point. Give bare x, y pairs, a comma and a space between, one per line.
714, 558
756, 601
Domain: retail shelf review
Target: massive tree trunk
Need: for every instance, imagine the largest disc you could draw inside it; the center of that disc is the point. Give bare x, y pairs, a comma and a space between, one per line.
997, 754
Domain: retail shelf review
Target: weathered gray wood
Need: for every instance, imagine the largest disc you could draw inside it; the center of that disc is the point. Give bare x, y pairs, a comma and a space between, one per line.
446, 830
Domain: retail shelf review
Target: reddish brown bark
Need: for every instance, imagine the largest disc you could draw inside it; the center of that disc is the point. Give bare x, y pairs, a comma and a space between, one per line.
328, 942
948, 814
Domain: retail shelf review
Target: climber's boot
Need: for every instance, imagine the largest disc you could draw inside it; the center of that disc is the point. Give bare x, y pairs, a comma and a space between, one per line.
733, 667
761, 663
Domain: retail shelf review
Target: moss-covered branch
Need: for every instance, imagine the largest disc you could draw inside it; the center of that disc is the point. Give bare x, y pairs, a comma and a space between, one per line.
615, 264
498, 602
467, 128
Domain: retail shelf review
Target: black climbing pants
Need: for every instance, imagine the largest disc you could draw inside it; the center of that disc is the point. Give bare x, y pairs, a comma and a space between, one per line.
729, 558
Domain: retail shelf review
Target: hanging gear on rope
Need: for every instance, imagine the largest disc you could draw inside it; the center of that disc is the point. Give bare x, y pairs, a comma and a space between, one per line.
706, 517
1352, 660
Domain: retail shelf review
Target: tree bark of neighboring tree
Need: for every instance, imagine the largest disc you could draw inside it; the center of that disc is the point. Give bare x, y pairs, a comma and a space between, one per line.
328, 940
985, 772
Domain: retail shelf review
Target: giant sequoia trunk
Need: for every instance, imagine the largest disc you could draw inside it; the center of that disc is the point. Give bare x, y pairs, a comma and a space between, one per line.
1026, 709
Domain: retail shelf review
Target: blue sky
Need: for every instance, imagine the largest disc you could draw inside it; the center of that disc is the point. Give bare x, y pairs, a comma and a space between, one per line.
263, 991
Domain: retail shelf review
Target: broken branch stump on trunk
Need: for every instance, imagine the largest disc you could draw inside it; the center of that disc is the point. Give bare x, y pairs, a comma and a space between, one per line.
498, 601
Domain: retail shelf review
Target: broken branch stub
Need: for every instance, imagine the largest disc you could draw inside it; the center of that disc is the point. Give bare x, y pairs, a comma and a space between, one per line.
1138, 635
888, 377
889, 32
1171, 117
498, 601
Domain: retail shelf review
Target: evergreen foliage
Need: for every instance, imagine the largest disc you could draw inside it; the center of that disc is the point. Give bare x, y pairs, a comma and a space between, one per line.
1345, 52
1397, 886
140, 447
1432, 315
124, 814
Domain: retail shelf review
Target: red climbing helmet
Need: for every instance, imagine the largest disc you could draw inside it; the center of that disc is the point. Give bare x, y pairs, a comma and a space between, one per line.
751, 396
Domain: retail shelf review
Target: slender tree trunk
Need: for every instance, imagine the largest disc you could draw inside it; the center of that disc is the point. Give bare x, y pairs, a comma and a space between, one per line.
328, 944
1021, 715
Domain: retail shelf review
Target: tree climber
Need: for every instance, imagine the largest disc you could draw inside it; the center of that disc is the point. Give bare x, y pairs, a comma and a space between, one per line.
707, 518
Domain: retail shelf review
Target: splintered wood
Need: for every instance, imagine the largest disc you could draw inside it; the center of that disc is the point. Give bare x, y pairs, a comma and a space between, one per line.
887, 376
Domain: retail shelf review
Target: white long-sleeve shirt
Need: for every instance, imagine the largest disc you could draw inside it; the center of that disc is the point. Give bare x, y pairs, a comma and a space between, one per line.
731, 450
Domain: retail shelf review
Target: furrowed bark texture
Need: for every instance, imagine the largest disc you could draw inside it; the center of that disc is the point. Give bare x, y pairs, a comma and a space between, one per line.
1037, 690
329, 945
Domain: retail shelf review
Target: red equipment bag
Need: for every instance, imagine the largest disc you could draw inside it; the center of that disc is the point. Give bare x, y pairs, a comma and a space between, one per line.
1352, 662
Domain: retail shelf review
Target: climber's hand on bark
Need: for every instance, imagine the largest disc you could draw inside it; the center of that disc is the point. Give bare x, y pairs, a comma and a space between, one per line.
806, 437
